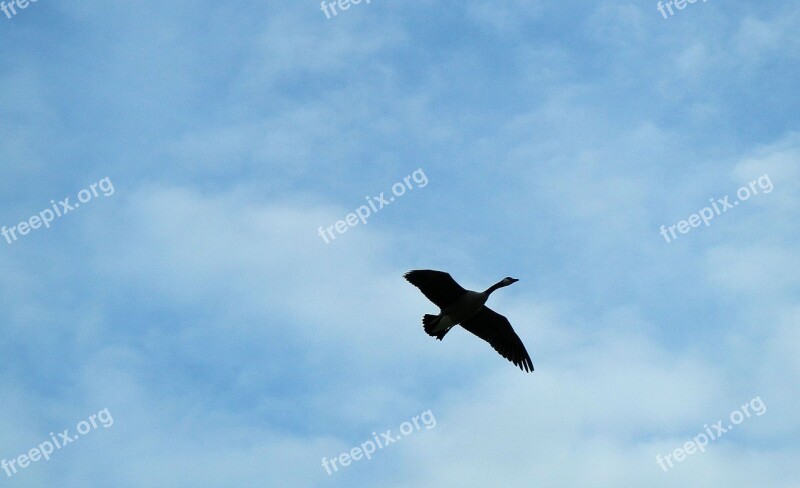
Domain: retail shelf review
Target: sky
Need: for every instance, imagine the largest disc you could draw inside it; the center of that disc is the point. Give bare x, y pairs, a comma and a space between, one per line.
211, 315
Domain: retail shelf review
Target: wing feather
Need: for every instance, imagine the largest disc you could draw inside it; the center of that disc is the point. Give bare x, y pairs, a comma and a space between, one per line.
438, 286
497, 331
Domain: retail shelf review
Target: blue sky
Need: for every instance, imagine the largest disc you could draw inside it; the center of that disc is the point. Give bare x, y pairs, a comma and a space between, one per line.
235, 348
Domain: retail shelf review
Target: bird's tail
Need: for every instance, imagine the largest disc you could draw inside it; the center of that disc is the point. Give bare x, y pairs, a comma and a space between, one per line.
429, 323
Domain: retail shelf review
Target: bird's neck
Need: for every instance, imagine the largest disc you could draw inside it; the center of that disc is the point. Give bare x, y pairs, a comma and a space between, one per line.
492, 288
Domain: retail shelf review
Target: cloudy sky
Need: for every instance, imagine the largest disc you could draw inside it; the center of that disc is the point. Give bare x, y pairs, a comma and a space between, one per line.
199, 303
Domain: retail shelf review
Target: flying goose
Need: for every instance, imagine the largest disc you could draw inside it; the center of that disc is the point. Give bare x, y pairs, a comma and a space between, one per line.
466, 307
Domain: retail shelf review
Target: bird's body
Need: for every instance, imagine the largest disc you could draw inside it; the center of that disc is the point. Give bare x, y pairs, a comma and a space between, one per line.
467, 308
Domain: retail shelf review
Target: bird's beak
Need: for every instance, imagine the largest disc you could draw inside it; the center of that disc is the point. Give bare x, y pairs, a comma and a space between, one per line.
514, 280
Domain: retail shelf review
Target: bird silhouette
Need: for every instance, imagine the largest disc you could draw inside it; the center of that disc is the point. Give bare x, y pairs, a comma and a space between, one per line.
458, 306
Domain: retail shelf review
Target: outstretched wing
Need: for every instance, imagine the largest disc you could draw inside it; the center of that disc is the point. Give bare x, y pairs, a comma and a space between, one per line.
438, 286
497, 331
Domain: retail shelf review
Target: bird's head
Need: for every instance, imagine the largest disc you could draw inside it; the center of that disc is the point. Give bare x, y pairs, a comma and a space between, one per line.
508, 281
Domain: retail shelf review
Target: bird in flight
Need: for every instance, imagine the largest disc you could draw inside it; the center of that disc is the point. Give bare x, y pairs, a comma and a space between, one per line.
466, 308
